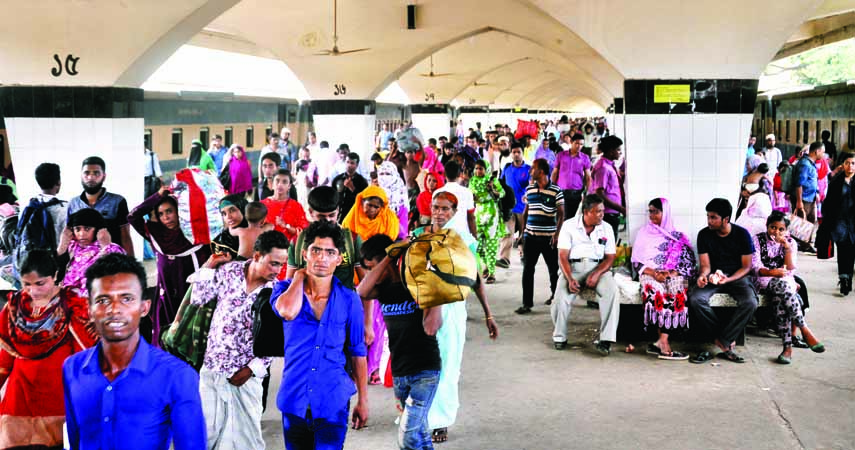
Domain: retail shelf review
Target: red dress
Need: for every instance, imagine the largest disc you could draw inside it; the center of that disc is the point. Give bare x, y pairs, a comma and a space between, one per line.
290, 211
32, 351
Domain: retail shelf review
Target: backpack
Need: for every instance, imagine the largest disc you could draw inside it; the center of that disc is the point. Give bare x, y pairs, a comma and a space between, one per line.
437, 268
789, 179
8, 229
268, 339
508, 201
35, 229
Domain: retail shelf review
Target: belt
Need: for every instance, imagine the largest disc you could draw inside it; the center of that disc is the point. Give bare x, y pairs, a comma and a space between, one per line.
578, 260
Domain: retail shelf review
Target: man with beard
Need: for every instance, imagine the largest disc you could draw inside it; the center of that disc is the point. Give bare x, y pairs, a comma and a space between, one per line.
230, 382
773, 156
124, 393
112, 206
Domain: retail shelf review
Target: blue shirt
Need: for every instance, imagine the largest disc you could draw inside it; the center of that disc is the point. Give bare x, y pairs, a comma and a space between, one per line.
808, 178
218, 157
748, 154
314, 375
155, 400
517, 179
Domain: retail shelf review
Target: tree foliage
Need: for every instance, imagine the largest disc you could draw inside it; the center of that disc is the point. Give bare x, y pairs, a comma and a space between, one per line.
829, 64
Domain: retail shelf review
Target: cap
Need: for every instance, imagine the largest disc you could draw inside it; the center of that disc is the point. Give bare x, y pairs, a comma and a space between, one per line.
504, 139
286, 130
770, 136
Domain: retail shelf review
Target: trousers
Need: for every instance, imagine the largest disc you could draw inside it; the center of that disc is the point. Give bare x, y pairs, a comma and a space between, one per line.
606, 296
514, 224
305, 433
415, 394
572, 198
533, 247
703, 316
232, 413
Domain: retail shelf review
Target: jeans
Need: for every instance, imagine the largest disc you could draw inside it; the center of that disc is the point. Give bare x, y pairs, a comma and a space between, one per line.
313, 434
845, 258
533, 247
613, 219
572, 198
415, 393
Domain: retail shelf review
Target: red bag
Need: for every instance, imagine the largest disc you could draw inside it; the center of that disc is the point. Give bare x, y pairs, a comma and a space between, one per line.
526, 128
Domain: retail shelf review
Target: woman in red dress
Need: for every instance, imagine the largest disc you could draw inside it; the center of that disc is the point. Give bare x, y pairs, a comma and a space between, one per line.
40, 326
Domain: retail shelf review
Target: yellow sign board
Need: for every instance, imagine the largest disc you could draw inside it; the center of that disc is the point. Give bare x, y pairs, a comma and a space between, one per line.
671, 93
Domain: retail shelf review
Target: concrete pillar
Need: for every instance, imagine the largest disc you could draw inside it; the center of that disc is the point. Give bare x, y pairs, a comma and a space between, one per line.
433, 120
616, 119
688, 150
347, 121
65, 125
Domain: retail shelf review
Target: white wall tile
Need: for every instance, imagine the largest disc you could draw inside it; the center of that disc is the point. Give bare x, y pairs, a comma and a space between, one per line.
656, 130
728, 131
704, 131
63, 129
681, 131
746, 121
635, 131
680, 165
704, 164
730, 162
20, 131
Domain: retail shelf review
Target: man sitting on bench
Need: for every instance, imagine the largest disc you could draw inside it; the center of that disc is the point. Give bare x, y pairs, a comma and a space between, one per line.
724, 252
586, 250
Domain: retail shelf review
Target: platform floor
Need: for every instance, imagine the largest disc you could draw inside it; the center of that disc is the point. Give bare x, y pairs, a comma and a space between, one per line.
520, 393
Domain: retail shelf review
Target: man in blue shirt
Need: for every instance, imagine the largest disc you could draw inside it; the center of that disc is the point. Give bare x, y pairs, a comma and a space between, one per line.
322, 322
749, 152
516, 176
804, 199
217, 152
123, 393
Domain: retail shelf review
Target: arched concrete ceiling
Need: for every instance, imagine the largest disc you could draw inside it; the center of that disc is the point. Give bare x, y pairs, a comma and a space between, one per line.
511, 97
476, 72
683, 39
295, 34
118, 43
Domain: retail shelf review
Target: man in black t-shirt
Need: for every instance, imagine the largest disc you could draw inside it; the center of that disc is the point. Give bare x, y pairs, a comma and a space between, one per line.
724, 252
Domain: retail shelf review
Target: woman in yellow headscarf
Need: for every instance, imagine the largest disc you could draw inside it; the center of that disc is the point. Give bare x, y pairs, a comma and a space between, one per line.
371, 215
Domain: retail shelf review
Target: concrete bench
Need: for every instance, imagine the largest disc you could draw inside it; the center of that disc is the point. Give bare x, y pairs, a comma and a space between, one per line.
631, 325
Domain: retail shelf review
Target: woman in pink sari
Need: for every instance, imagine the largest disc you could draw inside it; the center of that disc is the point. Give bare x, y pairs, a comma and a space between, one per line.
240, 173
665, 262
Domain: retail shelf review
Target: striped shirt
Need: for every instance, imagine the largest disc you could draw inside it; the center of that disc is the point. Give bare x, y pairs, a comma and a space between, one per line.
543, 209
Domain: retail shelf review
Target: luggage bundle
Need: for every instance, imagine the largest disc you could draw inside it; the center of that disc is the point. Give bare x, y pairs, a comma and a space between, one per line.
199, 194
437, 268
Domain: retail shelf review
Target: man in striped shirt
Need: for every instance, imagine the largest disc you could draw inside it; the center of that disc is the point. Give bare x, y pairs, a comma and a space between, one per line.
543, 217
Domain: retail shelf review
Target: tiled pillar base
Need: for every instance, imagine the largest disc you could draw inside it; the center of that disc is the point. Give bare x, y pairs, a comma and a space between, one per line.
347, 121
432, 121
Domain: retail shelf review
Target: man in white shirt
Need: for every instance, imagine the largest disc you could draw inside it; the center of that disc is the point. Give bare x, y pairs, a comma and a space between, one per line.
773, 156
586, 251
465, 200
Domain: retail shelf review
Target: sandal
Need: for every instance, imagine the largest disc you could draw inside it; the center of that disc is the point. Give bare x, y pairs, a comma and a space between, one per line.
799, 343
782, 359
701, 357
375, 378
439, 435
818, 348
491, 279
731, 356
653, 349
673, 356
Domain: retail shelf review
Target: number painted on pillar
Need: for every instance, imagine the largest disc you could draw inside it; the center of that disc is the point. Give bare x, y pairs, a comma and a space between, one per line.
430, 97
70, 65
339, 89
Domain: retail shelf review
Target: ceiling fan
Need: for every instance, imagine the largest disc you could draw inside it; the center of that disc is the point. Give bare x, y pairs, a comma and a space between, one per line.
477, 84
334, 51
432, 74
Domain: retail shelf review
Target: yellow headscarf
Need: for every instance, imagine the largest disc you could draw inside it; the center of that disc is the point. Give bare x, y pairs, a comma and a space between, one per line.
386, 221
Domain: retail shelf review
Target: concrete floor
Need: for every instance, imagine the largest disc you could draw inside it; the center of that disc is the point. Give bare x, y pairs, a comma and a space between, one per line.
519, 393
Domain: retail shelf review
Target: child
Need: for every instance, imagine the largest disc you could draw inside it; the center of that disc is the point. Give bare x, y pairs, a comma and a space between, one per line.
780, 201
84, 240
255, 214
283, 212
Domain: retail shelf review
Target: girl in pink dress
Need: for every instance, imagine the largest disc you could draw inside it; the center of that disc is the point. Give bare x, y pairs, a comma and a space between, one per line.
83, 241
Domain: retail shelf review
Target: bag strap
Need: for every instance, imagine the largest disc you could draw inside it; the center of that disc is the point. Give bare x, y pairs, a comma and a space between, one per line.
191, 252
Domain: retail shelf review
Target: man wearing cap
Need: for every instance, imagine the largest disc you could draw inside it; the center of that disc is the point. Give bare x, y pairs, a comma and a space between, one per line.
773, 156
287, 148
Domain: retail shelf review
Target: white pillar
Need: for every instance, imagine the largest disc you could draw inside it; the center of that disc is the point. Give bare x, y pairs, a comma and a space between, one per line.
433, 120
65, 125
347, 121
688, 153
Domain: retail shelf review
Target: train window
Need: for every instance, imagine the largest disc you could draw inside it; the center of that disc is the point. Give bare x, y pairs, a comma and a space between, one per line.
779, 130
229, 137
851, 136
788, 131
834, 130
205, 136
805, 132
798, 131
267, 132
249, 137
177, 141
818, 130
146, 139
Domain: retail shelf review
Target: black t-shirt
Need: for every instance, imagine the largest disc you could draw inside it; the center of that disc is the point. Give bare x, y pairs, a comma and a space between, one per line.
412, 350
347, 197
726, 252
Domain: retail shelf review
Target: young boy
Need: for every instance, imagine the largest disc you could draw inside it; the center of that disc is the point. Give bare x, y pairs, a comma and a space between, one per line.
255, 214
285, 213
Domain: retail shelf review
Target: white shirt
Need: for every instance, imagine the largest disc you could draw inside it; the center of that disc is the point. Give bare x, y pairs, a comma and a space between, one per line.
149, 156
773, 159
465, 200
573, 237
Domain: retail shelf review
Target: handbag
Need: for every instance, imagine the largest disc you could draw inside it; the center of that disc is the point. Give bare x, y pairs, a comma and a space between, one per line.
189, 339
800, 228
268, 339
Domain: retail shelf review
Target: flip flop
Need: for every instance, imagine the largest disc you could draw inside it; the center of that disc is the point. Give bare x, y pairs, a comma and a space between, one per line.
818, 348
799, 343
652, 349
673, 356
439, 435
701, 358
783, 359
731, 356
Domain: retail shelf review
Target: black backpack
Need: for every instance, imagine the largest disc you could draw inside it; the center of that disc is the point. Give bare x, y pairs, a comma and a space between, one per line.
268, 339
35, 230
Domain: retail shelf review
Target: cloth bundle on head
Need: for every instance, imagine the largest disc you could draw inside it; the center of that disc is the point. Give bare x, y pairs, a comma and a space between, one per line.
390, 180
650, 239
198, 194
386, 221
87, 217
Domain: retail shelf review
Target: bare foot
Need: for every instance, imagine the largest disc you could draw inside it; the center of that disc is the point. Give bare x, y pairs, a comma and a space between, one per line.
629, 348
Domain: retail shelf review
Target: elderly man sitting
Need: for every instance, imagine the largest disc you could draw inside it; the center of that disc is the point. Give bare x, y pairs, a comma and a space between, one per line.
586, 250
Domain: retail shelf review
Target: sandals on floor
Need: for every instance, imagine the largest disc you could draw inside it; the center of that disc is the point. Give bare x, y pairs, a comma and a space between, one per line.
799, 343
491, 279
818, 348
652, 349
731, 356
673, 356
701, 358
782, 359
439, 435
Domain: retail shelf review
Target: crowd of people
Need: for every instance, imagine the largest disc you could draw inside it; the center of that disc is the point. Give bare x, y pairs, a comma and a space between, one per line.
307, 238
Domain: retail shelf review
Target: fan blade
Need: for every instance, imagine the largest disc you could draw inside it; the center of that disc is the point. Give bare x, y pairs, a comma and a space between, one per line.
434, 75
324, 53
345, 52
